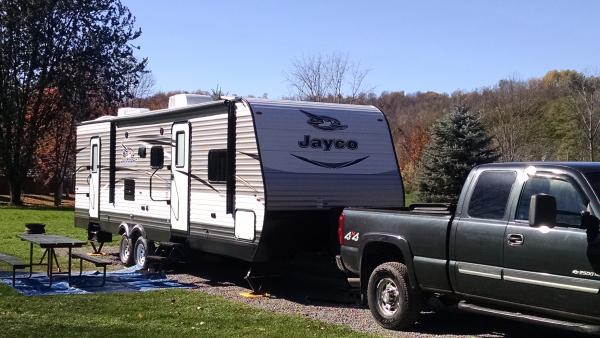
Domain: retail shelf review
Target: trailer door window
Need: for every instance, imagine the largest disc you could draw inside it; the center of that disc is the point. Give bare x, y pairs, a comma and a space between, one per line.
95, 158
217, 166
180, 149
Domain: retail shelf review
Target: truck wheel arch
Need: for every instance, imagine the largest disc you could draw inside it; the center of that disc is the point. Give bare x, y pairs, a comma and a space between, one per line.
377, 249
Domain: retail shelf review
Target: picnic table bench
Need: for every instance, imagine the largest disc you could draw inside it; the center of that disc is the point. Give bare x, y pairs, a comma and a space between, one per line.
97, 261
15, 263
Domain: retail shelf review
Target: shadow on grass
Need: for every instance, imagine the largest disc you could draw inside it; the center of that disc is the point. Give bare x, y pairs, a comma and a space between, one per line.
37, 202
37, 207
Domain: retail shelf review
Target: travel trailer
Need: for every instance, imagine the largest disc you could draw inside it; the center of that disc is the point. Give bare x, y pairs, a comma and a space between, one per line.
258, 180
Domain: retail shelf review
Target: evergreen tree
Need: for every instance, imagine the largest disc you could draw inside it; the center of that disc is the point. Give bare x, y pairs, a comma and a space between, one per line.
458, 143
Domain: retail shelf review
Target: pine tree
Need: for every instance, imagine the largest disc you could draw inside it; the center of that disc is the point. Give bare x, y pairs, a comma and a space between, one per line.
459, 142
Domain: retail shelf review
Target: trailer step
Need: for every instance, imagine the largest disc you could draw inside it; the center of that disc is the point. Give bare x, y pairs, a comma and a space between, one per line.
527, 318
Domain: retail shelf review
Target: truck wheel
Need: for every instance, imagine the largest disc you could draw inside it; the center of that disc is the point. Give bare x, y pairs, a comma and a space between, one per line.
142, 248
392, 301
125, 250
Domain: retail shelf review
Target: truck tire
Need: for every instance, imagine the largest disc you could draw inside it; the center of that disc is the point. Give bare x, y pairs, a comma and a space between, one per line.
126, 250
392, 301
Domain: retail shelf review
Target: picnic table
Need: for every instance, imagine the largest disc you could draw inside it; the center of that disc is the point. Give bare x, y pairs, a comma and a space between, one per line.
50, 243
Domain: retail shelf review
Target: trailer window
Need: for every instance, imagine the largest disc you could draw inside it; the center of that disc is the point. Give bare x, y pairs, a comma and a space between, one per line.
217, 166
180, 149
491, 193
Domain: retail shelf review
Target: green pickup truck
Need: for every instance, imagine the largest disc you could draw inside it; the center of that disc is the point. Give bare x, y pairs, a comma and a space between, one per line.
522, 243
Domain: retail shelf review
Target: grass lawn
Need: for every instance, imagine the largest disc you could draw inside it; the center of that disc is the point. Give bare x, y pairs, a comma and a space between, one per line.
156, 313
12, 223
410, 198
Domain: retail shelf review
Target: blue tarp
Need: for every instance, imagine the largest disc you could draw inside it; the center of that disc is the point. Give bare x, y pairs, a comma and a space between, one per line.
125, 280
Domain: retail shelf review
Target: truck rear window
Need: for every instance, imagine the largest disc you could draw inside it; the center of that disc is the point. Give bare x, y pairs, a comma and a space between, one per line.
491, 193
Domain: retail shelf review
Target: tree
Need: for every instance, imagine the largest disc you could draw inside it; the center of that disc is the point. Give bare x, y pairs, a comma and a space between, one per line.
458, 143
510, 110
327, 78
80, 50
585, 99
140, 90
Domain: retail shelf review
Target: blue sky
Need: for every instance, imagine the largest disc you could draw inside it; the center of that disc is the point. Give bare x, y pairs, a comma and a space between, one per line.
246, 46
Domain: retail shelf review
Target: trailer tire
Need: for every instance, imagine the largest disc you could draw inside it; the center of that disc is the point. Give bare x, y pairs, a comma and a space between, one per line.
141, 250
393, 302
126, 250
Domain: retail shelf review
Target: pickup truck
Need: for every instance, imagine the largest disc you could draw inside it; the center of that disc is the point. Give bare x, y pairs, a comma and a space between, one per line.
521, 243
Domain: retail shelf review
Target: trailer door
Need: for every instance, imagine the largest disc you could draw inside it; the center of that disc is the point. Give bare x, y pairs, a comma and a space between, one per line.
180, 178
94, 178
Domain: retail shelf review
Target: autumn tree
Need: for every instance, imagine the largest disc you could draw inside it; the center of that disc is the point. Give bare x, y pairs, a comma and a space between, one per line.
459, 142
81, 49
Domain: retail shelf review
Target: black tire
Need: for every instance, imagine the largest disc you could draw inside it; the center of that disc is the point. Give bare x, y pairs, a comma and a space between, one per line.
392, 301
141, 249
126, 250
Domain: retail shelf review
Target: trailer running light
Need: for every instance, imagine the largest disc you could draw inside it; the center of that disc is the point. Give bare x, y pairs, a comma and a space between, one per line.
341, 229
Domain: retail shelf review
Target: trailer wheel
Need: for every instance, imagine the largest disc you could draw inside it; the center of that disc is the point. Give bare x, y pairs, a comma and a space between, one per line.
392, 301
142, 249
126, 250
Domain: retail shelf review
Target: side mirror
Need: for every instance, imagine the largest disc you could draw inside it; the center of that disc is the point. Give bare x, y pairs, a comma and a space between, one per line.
542, 211
157, 157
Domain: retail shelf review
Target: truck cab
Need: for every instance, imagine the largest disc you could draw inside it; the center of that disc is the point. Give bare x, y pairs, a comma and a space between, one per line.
496, 252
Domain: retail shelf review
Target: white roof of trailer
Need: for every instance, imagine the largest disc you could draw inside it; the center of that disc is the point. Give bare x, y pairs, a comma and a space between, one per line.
312, 105
252, 101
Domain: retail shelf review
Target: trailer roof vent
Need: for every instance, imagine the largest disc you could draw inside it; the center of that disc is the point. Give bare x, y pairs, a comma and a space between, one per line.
131, 111
182, 100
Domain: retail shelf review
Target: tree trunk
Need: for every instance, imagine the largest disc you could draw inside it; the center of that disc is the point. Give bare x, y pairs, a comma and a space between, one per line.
58, 187
16, 188
591, 147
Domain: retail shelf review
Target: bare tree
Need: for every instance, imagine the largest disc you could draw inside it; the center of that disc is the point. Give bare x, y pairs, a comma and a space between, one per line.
508, 108
585, 98
357, 79
332, 78
141, 90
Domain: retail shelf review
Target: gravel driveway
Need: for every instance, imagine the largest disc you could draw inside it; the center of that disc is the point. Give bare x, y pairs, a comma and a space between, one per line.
300, 291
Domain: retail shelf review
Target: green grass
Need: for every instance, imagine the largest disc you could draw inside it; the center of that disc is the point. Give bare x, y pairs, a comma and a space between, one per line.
12, 223
165, 313
409, 198
151, 314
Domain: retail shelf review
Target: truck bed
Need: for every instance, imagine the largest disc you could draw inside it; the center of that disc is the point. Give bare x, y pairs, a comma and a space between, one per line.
424, 226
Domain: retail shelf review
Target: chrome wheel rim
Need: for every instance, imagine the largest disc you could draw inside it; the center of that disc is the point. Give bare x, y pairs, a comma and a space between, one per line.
125, 250
388, 297
140, 255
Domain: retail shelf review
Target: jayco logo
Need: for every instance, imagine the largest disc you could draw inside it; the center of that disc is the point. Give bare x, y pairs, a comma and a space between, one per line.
328, 124
128, 155
326, 144
323, 122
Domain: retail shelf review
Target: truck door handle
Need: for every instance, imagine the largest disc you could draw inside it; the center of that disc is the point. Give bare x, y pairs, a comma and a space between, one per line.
515, 239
